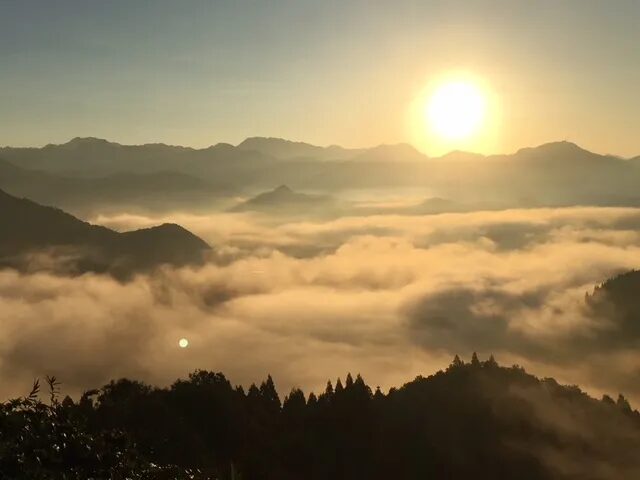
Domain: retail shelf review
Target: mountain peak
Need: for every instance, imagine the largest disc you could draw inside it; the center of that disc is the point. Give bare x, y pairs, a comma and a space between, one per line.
283, 197
86, 142
396, 146
393, 152
251, 142
27, 227
559, 147
280, 193
461, 155
170, 232
222, 146
282, 189
288, 149
280, 148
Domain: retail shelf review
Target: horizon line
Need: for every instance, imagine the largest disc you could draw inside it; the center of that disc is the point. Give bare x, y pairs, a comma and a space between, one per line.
302, 142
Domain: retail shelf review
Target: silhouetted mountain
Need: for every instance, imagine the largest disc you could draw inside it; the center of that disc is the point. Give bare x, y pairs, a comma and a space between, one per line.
284, 200
439, 205
93, 157
474, 420
287, 150
553, 174
33, 236
383, 166
616, 302
567, 156
401, 152
461, 156
562, 149
159, 190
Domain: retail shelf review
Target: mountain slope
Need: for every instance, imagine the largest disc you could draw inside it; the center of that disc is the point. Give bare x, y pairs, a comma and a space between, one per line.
401, 152
472, 420
553, 174
95, 157
287, 150
284, 200
616, 303
157, 190
29, 232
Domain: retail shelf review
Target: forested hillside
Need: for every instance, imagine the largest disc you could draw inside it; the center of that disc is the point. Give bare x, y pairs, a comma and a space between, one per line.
474, 420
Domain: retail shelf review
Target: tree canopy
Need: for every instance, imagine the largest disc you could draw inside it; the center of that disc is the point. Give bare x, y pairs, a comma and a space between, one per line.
473, 420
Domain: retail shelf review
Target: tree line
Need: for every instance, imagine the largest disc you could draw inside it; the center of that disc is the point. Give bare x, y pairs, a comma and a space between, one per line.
472, 420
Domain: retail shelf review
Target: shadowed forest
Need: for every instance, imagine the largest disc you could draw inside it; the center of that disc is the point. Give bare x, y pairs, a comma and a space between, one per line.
473, 420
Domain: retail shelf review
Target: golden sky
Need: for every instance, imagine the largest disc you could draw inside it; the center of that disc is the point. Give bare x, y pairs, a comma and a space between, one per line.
197, 73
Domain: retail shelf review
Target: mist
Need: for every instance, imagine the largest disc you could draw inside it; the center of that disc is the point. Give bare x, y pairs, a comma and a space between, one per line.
387, 296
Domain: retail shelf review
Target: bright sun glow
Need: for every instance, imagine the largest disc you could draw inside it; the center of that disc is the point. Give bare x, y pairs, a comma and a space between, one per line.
183, 343
456, 110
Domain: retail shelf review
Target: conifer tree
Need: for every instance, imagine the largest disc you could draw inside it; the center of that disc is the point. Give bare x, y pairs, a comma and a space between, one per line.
474, 360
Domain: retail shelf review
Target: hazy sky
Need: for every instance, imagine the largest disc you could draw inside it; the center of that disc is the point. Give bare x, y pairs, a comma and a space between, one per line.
347, 72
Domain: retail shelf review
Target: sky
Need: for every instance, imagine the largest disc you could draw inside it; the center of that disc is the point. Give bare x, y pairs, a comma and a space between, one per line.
327, 72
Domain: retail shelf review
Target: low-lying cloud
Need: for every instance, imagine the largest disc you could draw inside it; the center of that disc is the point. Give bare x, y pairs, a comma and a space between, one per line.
388, 296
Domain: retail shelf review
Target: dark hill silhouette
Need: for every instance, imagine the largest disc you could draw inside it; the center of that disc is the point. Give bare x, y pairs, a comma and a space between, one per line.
561, 149
553, 174
401, 152
438, 205
284, 200
616, 301
28, 229
569, 157
94, 157
162, 189
462, 156
286, 149
473, 420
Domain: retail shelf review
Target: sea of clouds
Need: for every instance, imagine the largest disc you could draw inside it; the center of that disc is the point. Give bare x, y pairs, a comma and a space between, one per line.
387, 296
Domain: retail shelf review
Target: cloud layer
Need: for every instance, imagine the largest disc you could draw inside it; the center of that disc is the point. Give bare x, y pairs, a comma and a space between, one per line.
388, 296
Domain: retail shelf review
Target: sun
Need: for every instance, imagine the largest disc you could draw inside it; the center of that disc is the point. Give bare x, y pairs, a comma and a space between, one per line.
456, 110
183, 343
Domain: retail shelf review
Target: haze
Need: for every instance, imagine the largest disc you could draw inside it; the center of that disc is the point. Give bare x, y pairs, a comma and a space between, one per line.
198, 73
321, 240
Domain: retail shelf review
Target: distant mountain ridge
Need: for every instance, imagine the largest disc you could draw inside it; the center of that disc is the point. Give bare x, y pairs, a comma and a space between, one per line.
552, 174
93, 157
282, 148
114, 190
286, 149
29, 230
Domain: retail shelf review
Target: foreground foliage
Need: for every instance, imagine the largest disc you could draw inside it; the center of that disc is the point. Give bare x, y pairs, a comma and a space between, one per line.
474, 420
